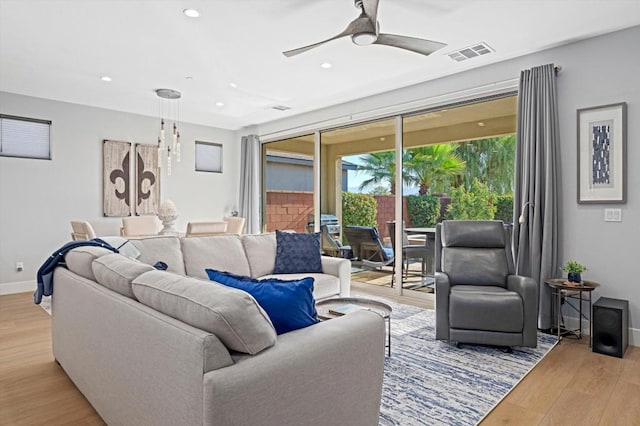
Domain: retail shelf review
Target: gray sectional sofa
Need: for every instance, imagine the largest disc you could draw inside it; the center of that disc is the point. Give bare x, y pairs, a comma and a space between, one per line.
149, 347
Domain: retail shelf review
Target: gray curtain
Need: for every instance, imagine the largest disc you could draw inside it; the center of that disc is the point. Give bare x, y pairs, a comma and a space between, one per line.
250, 183
536, 182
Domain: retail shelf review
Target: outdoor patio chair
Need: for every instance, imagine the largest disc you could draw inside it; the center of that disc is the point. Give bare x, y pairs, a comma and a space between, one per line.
333, 247
367, 247
410, 252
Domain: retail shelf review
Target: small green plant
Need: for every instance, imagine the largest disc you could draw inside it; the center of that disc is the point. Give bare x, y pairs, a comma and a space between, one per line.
504, 208
424, 210
573, 267
358, 210
473, 204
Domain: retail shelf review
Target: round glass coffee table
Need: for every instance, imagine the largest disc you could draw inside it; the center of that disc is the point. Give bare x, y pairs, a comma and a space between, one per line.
333, 308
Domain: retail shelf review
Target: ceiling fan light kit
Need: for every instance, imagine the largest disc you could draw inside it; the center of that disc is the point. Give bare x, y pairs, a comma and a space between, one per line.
365, 30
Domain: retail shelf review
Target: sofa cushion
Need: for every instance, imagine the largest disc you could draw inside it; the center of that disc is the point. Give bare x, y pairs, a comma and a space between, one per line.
117, 272
261, 253
289, 303
232, 315
161, 249
297, 253
222, 252
324, 285
79, 260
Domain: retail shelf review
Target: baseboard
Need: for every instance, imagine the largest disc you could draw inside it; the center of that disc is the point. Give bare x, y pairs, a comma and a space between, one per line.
17, 287
572, 323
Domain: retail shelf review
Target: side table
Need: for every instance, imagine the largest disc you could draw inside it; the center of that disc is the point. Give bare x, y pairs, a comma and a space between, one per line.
563, 289
324, 308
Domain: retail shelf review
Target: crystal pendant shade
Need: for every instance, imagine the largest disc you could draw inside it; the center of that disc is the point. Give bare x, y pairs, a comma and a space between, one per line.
169, 97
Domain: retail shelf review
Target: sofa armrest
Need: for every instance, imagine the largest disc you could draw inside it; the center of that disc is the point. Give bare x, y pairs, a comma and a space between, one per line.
326, 374
340, 268
527, 288
443, 289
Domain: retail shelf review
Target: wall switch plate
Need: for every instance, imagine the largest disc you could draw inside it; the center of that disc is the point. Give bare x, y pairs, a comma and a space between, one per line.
613, 215
19, 266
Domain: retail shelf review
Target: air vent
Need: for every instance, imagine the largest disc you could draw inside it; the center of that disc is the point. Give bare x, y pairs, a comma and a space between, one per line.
280, 107
470, 52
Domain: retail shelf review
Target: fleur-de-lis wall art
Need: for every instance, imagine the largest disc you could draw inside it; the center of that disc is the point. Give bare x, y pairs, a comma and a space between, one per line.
116, 182
147, 181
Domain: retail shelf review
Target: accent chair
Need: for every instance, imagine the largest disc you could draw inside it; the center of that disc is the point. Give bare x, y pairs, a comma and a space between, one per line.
82, 230
204, 229
139, 226
479, 299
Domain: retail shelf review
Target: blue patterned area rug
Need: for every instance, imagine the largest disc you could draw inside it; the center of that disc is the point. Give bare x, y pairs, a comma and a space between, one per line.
428, 382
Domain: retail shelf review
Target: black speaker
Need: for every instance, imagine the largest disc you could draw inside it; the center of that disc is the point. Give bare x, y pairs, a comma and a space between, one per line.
610, 326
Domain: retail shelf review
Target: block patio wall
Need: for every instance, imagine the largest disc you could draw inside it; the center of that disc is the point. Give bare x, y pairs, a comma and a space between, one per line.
290, 209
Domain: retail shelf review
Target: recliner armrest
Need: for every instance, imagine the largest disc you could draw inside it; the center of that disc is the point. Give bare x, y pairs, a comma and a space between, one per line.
443, 289
527, 288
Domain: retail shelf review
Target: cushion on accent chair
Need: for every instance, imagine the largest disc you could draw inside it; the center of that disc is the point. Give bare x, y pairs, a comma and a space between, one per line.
297, 253
289, 304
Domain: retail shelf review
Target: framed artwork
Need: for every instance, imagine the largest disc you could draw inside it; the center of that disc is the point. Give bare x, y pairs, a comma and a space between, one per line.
602, 144
116, 178
208, 157
147, 180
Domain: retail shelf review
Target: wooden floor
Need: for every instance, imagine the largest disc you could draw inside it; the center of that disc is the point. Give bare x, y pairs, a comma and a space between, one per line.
571, 386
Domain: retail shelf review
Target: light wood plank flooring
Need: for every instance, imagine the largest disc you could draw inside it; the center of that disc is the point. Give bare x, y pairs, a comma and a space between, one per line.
571, 386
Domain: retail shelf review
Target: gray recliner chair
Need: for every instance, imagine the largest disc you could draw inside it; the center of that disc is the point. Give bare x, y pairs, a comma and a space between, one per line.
479, 299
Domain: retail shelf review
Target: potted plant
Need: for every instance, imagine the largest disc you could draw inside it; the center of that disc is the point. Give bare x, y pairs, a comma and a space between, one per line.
573, 270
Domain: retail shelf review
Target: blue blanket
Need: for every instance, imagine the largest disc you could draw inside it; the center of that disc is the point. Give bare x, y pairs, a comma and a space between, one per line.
45, 273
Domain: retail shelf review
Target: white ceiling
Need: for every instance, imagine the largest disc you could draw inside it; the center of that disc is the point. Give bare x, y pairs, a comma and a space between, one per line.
59, 49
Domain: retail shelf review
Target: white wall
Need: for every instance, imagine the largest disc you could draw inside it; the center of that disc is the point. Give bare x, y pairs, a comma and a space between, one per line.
598, 71
38, 198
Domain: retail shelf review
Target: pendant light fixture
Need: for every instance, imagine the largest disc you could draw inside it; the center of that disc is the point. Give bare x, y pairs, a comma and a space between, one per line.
169, 98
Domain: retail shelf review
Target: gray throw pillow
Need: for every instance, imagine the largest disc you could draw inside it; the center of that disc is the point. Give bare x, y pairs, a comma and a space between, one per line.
232, 315
117, 272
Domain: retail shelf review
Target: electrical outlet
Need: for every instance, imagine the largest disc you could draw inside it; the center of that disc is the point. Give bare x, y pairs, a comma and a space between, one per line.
613, 215
19, 266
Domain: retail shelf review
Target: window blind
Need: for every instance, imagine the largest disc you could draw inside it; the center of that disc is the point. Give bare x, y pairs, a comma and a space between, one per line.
25, 137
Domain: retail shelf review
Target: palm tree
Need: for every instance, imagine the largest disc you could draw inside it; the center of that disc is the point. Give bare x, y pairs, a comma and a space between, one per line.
382, 168
491, 160
433, 167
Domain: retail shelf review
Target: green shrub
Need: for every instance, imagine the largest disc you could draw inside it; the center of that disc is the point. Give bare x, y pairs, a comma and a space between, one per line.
359, 209
504, 208
424, 210
473, 204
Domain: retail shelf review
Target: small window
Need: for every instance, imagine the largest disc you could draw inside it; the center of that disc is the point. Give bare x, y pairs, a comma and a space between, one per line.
25, 137
208, 157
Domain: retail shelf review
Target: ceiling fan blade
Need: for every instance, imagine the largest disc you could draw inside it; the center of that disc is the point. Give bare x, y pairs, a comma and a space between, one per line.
417, 45
371, 9
348, 31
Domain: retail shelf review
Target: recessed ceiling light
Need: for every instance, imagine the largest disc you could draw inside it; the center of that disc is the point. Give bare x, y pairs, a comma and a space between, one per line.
481, 124
219, 104
232, 84
325, 65
105, 78
191, 13
382, 139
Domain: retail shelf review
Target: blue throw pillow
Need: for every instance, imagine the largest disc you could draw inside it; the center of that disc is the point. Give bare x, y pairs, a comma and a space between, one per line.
289, 304
297, 253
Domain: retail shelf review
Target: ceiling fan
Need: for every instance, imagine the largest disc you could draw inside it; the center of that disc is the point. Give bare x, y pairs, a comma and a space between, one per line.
365, 29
